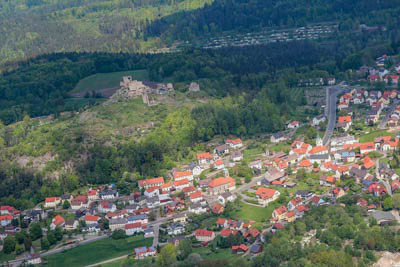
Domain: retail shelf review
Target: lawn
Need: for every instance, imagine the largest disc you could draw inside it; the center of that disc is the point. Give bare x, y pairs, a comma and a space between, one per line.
220, 254
107, 80
97, 251
253, 213
250, 154
280, 147
128, 262
6, 257
370, 137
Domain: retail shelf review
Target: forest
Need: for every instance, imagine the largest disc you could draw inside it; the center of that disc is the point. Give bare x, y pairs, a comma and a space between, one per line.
245, 15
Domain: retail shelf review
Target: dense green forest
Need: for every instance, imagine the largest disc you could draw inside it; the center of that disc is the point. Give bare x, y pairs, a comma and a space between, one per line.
245, 15
30, 28
41, 85
34, 27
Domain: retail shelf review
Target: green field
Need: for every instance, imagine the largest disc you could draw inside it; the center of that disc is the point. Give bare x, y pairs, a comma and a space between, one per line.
220, 254
107, 80
97, 251
370, 136
253, 213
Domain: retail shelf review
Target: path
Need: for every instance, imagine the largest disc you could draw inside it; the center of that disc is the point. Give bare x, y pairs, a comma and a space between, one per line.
382, 124
108, 261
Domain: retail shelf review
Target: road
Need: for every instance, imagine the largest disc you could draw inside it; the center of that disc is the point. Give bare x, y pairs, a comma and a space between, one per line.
333, 92
382, 124
383, 181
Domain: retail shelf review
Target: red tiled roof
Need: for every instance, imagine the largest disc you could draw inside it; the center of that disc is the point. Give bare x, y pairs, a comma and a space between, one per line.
58, 220
317, 149
281, 210
151, 181
203, 232
91, 218
221, 181
5, 217
342, 119
305, 163
52, 199
206, 155
181, 182
221, 221
195, 195
234, 141
133, 225
226, 232
265, 193
179, 174
217, 208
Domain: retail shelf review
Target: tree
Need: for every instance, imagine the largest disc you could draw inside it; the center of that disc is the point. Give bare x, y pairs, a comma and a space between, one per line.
184, 249
20, 236
19, 249
36, 231
388, 203
167, 256
44, 243
9, 244
51, 237
58, 233
118, 234
66, 205
27, 243
396, 201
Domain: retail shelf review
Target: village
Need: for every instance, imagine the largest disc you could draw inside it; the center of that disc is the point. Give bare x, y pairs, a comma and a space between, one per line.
290, 174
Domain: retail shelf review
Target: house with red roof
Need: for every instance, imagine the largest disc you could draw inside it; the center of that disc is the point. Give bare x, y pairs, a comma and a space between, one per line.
5, 220
251, 234
93, 195
181, 184
367, 147
166, 188
204, 235
326, 180
291, 216
152, 191
234, 143
294, 125
294, 203
318, 150
395, 185
305, 164
377, 189
196, 197
344, 122
299, 210
218, 208
147, 183
57, 221
266, 195
368, 163
91, 219
239, 249
222, 222
133, 228
52, 202
225, 232
204, 158
7, 210
219, 164
221, 185
180, 175
279, 213
106, 206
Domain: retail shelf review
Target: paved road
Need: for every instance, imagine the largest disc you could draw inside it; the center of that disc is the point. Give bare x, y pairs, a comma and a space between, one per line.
333, 92
383, 181
382, 124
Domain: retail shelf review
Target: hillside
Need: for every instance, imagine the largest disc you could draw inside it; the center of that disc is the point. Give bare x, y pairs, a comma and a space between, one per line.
29, 28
